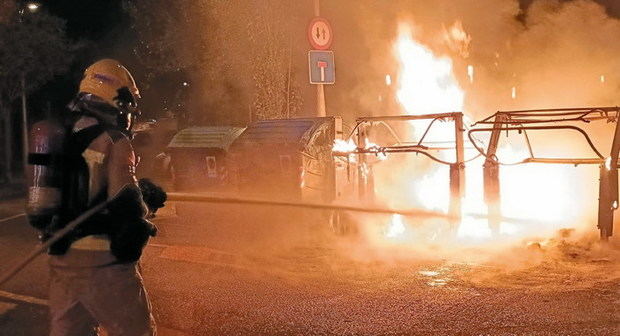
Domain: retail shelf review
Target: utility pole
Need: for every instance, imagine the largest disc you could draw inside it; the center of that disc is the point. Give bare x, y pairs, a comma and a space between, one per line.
320, 91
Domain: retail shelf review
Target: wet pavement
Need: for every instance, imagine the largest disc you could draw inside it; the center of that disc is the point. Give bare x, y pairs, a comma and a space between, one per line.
229, 270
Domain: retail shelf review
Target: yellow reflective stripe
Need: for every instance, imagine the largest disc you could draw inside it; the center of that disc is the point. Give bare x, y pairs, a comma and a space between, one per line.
93, 243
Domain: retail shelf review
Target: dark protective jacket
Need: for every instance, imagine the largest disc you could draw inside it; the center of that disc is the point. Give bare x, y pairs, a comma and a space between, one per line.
108, 166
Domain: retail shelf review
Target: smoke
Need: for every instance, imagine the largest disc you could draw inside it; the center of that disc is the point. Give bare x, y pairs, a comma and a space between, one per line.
551, 52
365, 54
565, 57
554, 53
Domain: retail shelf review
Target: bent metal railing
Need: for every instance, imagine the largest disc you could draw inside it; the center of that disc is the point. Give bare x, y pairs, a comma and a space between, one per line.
457, 168
544, 120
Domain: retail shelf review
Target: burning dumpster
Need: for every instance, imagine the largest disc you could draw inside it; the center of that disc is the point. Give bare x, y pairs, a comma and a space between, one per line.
198, 157
437, 137
287, 158
527, 124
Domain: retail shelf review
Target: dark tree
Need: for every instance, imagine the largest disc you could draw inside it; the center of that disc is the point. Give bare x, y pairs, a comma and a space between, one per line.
33, 49
237, 57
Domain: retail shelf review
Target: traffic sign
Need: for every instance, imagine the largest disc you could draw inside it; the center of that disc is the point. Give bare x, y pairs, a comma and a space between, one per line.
322, 67
320, 34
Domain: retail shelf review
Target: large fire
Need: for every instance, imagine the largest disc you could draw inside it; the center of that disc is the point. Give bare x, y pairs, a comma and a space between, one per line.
534, 197
427, 83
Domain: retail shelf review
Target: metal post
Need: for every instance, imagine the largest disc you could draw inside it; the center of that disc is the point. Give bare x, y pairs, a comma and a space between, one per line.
608, 188
605, 210
492, 188
24, 122
290, 64
457, 172
8, 136
459, 130
320, 90
362, 180
320, 101
331, 170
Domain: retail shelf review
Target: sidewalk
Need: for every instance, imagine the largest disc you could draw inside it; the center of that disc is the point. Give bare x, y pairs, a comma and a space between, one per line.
11, 190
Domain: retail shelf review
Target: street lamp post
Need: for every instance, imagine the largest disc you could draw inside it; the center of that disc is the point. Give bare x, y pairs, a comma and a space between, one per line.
32, 7
24, 122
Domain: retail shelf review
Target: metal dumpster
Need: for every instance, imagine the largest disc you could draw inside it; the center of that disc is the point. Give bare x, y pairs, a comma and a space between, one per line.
198, 157
286, 158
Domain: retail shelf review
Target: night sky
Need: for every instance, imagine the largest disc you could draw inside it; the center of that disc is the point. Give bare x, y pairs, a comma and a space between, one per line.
106, 22
101, 28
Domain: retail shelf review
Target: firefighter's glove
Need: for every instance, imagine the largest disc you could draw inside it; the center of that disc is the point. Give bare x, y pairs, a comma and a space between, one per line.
153, 195
127, 204
130, 238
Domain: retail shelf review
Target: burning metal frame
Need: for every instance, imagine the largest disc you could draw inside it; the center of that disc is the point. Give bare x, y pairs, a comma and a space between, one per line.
547, 120
457, 168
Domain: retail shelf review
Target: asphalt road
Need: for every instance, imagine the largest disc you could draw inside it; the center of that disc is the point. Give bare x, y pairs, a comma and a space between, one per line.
231, 270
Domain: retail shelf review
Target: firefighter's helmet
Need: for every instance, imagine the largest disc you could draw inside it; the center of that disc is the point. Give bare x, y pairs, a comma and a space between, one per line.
111, 81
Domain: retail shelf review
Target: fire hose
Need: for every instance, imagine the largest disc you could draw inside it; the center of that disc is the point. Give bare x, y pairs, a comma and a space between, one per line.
39, 249
203, 198
186, 197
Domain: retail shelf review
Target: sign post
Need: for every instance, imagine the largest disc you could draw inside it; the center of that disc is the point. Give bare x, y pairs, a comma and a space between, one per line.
320, 37
322, 65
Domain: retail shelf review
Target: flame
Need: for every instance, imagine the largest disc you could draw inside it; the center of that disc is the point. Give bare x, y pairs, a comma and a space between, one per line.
537, 192
344, 146
427, 84
396, 227
349, 147
376, 149
470, 73
458, 39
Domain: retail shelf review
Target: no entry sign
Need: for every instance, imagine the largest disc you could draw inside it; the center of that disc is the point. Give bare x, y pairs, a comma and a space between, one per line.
320, 34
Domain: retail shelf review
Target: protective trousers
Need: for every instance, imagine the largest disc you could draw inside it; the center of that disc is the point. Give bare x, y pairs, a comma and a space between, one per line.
112, 297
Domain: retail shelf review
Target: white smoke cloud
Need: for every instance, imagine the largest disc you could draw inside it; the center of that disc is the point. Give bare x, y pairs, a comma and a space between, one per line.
554, 54
560, 58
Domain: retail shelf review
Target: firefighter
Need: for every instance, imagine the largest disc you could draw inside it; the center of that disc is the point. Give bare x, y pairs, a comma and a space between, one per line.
94, 277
